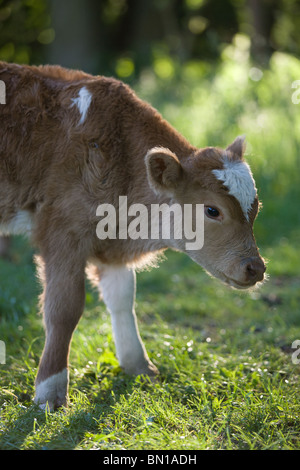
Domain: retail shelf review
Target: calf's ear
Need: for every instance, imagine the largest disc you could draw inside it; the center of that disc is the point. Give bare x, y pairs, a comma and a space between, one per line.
238, 146
164, 170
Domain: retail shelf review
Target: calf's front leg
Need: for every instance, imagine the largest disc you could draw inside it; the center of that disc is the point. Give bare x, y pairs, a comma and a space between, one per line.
63, 302
117, 284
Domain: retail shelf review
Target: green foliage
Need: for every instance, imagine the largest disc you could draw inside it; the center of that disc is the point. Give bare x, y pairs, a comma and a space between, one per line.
25, 25
124, 37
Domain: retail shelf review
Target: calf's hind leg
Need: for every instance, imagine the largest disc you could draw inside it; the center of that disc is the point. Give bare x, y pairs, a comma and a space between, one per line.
117, 284
63, 302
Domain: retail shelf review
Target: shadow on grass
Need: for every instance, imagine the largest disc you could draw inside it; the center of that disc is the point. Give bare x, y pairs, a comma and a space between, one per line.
65, 429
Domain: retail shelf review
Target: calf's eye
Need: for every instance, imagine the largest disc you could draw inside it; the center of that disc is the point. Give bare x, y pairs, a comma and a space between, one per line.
212, 212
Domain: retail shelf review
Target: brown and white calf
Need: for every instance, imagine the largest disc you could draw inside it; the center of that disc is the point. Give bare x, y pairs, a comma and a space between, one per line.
71, 142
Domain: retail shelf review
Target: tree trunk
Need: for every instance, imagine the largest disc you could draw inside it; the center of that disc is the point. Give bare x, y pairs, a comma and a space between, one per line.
262, 21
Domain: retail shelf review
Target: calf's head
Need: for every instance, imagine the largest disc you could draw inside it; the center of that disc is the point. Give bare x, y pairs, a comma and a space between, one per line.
223, 182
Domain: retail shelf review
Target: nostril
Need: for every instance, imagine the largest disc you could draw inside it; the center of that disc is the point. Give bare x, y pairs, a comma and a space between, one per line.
255, 269
250, 270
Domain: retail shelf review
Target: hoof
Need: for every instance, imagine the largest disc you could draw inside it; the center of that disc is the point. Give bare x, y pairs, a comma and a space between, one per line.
51, 393
146, 369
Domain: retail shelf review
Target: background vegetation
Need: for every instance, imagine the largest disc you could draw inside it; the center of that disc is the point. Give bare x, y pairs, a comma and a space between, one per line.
214, 70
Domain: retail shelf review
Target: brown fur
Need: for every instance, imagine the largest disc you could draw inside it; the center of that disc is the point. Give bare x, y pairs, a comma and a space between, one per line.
60, 171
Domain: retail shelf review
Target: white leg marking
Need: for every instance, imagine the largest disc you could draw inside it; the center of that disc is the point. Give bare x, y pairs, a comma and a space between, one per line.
53, 391
118, 288
82, 102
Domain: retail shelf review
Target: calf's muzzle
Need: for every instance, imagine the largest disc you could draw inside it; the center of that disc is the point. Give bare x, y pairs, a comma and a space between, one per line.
254, 269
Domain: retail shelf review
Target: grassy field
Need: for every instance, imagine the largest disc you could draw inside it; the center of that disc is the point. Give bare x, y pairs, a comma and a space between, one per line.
227, 378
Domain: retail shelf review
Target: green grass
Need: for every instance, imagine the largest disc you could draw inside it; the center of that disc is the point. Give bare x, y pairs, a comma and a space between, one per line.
227, 379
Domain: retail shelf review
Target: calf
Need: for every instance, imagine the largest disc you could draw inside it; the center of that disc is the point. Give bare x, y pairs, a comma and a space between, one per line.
71, 142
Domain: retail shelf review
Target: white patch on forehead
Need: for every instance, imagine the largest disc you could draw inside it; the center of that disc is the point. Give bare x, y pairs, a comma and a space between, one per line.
237, 177
82, 102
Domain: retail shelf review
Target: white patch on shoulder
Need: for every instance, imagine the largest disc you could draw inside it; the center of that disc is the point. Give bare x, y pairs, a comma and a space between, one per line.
20, 224
237, 177
53, 391
82, 102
